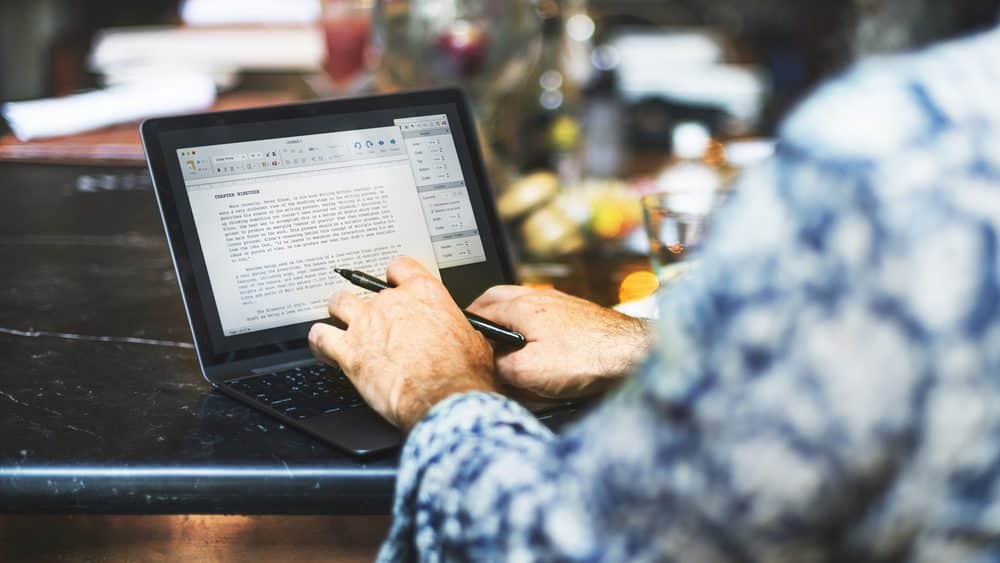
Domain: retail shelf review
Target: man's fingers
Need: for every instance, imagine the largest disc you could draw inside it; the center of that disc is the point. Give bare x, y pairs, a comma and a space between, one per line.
496, 312
327, 343
345, 306
498, 304
498, 294
516, 367
404, 268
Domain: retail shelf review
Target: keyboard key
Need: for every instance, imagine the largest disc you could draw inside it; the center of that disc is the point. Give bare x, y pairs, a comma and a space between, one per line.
303, 413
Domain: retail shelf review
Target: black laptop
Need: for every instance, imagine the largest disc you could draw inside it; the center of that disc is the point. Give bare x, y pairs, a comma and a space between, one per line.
260, 206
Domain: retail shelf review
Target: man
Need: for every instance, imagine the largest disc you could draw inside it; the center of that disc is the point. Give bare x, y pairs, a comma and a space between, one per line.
828, 389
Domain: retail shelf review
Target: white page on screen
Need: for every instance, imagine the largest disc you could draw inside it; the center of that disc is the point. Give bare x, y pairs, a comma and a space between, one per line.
285, 212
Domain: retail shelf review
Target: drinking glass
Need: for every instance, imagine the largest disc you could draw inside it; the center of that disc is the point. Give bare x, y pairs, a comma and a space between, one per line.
347, 28
675, 224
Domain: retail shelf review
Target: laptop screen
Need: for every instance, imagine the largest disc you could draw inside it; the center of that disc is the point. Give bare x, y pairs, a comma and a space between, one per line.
268, 214
276, 216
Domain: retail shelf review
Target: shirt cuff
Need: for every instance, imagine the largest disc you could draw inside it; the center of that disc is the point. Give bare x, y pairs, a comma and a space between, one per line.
468, 425
470, 413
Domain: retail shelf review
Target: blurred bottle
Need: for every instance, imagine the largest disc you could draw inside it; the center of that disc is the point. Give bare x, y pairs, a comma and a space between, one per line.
551, 95
688, 175
603, 129
566, 158
676, 214
578, 35
559, 98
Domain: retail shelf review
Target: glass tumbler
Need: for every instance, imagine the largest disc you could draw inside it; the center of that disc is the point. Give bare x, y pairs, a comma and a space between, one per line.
675, 224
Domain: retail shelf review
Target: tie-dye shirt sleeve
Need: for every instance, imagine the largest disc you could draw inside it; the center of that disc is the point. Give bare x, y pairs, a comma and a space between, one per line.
825, 387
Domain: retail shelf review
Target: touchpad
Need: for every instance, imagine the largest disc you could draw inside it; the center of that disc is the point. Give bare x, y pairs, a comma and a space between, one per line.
360, 430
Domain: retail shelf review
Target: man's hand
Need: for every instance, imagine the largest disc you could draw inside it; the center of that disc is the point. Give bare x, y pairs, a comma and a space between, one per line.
407, 348
575, 347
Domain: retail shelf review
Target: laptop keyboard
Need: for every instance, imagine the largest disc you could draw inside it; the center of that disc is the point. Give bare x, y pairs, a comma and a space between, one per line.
301, 392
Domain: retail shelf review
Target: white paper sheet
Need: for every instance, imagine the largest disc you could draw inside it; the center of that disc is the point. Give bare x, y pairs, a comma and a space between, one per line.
120, 104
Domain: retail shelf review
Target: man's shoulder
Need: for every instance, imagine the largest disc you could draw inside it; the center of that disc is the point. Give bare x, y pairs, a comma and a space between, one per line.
889, 104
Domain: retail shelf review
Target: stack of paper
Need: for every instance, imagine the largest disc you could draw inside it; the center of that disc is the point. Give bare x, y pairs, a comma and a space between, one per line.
242, 12
209, 50
120, 104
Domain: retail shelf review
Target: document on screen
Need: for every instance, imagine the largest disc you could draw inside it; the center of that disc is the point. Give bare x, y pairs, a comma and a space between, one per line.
272, 235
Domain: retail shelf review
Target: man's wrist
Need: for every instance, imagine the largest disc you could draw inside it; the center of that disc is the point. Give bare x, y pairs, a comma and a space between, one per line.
420, 406
634, 342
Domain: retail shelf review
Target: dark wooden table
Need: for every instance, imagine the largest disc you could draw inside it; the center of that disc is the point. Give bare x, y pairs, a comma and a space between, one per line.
102, 406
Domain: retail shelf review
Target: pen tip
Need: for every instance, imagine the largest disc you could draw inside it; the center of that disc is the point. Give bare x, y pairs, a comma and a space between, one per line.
339, 270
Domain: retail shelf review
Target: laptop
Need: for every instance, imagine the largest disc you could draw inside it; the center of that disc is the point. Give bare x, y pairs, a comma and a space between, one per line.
260, 205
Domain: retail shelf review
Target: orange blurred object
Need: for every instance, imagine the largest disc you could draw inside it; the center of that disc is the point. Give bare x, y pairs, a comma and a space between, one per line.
637, 285
538, 285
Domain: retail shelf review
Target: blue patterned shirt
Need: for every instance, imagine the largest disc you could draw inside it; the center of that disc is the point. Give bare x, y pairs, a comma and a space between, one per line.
827, 389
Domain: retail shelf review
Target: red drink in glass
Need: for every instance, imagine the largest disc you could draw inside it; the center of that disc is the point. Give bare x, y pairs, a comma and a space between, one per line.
348, 30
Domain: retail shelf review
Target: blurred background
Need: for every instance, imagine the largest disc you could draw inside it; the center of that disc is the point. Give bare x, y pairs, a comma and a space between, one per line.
613, 128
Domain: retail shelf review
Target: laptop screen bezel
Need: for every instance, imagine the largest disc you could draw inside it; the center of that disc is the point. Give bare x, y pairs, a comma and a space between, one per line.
153, 130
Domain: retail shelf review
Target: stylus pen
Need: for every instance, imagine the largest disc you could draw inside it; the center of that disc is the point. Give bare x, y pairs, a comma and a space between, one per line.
488, 328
